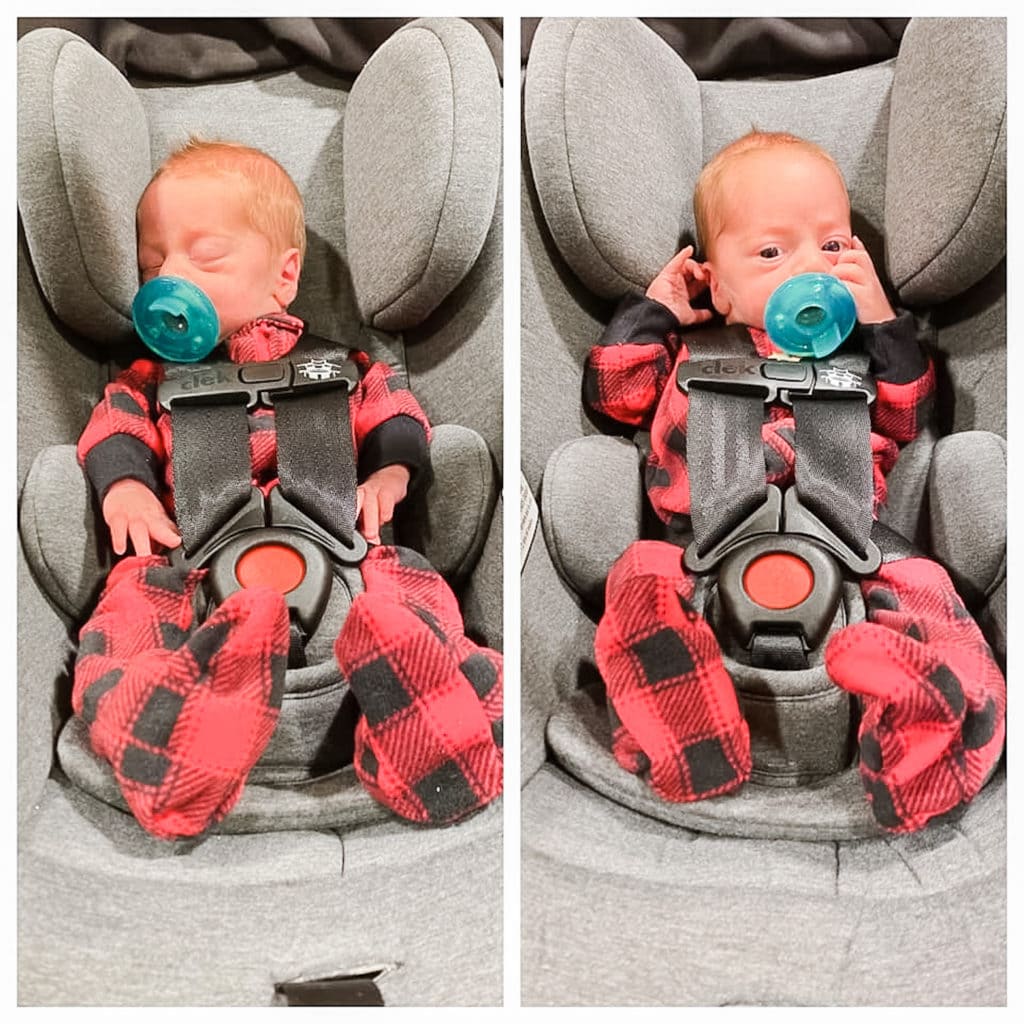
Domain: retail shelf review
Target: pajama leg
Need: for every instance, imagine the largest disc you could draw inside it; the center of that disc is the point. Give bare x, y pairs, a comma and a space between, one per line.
428, 742
934, 700
181, 712
673, 707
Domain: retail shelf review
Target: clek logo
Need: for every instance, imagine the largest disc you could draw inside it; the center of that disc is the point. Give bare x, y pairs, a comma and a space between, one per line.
319, 369
839, 377
730, 368
195, 380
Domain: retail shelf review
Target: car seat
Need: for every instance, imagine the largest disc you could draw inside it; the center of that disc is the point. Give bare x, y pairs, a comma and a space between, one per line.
307, 878
787, 892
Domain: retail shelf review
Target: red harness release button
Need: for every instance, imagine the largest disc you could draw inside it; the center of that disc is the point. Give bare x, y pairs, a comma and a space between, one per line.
778, 581
271, 565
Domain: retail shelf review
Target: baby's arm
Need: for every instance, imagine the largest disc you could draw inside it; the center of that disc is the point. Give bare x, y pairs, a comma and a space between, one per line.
627, 369
392, 437
122, 454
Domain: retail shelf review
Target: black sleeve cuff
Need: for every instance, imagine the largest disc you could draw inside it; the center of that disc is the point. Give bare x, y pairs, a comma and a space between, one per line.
640, 321
894, 349
121, 457
400, 440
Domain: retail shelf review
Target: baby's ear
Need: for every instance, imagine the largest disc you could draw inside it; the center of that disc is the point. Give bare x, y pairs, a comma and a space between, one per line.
288, 278
719, 298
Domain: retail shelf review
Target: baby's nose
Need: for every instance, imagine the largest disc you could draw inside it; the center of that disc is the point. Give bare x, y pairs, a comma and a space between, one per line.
175, 266
815, 261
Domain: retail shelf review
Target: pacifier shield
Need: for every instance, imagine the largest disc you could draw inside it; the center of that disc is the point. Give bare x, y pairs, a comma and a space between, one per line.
810, 315
175, 319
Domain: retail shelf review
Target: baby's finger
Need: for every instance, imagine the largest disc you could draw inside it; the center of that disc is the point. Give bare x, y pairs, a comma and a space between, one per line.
371, 519
696, 279
139, 533
119, 534
359, 500
678, 261
387, 508
164, 532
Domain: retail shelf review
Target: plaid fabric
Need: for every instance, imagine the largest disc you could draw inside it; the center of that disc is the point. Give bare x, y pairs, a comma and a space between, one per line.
128, 409
934, 700
429, 740
630, 376
181, 711
674, 714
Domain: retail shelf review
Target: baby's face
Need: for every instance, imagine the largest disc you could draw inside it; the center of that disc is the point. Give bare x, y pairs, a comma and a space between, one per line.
783, 212
195, 227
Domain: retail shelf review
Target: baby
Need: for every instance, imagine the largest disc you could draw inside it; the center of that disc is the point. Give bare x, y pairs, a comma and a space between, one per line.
770, 206
183, 710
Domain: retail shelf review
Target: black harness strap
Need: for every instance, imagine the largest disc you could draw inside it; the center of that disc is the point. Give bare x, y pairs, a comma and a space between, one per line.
724, 450
725, 457
212, 468
833, 465
727, 391
316, 458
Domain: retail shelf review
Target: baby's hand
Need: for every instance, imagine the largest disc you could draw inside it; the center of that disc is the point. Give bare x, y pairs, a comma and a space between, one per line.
681, 280
376, 498
131, 509
855, 269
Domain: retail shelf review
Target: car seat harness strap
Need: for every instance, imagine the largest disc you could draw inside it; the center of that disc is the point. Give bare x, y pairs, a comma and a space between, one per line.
780, 557
288, 538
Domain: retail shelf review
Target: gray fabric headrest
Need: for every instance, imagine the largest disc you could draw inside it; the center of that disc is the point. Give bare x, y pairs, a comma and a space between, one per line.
618, 129
83, 161
614, 128
945, 210
422, 159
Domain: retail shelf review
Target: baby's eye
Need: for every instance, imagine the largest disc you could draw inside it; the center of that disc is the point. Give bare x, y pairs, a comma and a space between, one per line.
833, 245
208, 251
769, 252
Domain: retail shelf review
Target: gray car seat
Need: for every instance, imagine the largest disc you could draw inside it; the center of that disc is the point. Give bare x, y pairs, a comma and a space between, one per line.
787, 892
308, 878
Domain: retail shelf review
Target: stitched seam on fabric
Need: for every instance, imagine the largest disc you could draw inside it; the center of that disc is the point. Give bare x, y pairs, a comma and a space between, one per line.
547, 520
56, 589
390, 303
479, 535
64, 184
568, 163
967, 216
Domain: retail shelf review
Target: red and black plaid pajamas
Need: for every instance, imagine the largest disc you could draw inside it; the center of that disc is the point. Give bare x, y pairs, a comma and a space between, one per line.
182, 710
933, 699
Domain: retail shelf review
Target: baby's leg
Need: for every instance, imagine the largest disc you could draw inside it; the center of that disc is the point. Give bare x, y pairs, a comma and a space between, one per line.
675, 717
181, 713
934, 700
428, 743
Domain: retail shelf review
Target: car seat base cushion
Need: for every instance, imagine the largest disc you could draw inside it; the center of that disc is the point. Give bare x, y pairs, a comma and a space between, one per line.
181, 711
675, 715
934, 700
428, 743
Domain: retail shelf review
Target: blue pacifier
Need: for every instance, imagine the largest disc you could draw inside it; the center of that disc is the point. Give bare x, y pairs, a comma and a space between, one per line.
175, 319
810, 315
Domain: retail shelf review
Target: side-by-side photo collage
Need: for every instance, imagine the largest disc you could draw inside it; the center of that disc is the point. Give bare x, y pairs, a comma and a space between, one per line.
511, 512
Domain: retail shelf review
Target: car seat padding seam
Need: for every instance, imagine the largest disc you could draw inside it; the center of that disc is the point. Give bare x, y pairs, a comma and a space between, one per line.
404, 290
64, 182
974, 205
568, 162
